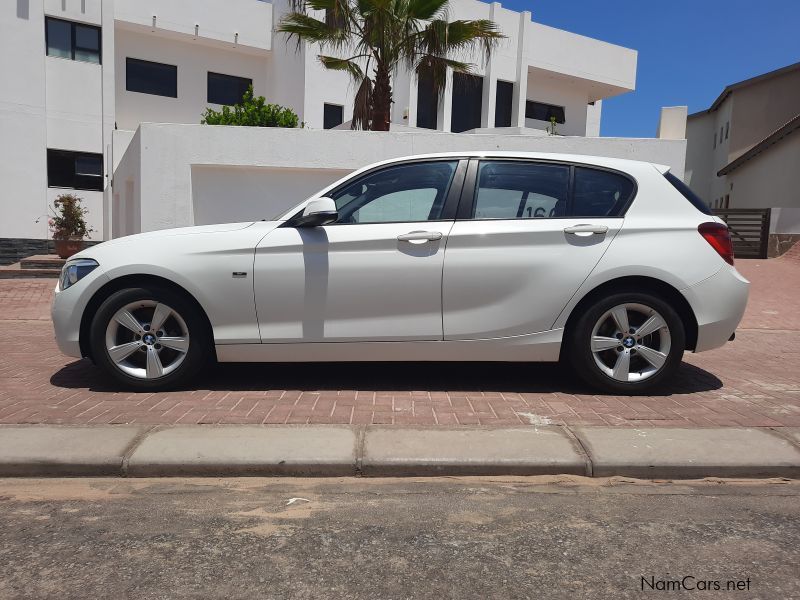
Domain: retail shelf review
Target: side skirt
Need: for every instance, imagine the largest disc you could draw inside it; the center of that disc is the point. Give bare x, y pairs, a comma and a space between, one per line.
535, 347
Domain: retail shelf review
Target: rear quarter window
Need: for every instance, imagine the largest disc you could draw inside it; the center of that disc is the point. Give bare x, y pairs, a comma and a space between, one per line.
600, 193
687, 193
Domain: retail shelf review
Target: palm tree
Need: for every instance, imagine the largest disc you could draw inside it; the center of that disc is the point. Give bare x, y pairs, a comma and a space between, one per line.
383, 35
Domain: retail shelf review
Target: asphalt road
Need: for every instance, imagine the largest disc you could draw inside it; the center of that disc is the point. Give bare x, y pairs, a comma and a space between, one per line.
545, 537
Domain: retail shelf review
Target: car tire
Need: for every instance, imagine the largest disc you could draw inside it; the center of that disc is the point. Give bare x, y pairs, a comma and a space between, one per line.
639, 359
144, 358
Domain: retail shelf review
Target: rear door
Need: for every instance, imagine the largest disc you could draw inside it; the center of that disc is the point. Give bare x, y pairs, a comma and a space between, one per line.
527, 235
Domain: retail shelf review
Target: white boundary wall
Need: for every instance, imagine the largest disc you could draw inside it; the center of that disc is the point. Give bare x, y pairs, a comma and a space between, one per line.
180, 175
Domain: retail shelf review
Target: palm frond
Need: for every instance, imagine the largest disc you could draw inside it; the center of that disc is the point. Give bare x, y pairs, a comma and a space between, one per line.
303, 28
362, 105
426, 10
348, 65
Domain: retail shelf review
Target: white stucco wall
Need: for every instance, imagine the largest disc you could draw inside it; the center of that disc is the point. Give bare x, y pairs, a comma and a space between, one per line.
243, 24
23, 129
258, 190
171, 174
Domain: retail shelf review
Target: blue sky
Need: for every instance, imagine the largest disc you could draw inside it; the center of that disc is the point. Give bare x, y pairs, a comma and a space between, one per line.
688, 50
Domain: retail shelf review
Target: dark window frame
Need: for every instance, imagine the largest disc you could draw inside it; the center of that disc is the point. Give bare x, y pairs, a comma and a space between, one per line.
497, 94
222, 77
141, 61
560, 111
77, 181
466, 107
325, 106
466, 207
427, 103
73, 40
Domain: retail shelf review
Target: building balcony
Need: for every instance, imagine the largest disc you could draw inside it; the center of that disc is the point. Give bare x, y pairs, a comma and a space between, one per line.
244, 25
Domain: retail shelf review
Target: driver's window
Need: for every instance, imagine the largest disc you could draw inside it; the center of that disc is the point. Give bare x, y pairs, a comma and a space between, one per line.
400, 193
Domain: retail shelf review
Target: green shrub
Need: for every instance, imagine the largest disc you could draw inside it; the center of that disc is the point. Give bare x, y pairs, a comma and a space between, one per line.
69, 218
251, 112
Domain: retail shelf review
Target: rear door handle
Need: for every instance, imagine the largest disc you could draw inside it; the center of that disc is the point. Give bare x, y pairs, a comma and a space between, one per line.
585, 229
420, 236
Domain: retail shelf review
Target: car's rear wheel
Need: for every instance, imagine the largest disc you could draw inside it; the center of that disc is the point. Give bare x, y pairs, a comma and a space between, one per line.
150, 338
626, 343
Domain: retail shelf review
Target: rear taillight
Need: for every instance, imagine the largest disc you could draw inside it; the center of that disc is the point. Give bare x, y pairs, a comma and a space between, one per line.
719, 237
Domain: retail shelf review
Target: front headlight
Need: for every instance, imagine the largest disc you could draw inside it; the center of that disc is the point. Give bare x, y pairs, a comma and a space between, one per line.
75, 270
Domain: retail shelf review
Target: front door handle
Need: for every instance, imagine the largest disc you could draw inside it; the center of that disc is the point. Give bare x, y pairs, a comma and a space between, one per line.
420, 236
585, 229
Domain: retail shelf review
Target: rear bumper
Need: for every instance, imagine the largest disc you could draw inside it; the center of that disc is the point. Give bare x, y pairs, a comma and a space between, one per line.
718, 303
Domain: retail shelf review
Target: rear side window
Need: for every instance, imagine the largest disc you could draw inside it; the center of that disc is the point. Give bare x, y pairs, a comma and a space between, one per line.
687, 193
520, 190
600, 193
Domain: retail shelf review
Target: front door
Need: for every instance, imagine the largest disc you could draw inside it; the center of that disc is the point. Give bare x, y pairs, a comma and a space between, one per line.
530, 235
374, 275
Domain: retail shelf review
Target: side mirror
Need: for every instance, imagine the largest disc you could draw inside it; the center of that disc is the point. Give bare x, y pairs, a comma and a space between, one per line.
318, 212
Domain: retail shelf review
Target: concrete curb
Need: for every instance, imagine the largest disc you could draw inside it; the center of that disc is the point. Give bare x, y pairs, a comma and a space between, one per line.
338, 451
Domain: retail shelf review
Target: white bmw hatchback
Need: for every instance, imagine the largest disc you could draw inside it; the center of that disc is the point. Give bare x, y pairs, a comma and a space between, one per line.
612, 265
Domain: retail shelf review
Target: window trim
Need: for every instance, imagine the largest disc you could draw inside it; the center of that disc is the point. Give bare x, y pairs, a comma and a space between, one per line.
152, 62
73, 40
469, 193
451, 200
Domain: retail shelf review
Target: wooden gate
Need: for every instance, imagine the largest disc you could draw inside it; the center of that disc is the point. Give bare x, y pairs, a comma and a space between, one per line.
749, 229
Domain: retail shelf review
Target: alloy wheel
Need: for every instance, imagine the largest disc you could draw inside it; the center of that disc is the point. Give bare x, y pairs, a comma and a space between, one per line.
630, 342
147, 339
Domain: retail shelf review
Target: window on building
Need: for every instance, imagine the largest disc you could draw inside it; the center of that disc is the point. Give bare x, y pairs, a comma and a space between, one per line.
599, 193
544, 112
75, 41
226, 89
399, 193
727, 128
77, 170
720, 134
520, 190
727, 201
467, 102
715, 139
504, 99
333, 115
427, 102
148, 77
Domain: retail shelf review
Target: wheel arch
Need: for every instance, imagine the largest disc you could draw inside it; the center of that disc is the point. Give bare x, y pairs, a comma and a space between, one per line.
639, 284
128, 281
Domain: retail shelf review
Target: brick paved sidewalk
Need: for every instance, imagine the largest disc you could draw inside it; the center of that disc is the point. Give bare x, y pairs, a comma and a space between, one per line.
754, 381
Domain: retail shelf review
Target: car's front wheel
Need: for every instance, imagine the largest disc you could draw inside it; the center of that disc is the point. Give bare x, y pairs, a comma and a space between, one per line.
626, 343
149, 338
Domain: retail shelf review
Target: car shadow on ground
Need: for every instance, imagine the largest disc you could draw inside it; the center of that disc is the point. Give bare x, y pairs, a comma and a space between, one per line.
401, 376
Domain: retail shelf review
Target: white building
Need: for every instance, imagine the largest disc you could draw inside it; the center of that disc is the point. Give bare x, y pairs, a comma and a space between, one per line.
82, 75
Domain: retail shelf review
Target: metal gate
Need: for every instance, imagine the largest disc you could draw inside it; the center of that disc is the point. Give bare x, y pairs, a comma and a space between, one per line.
749, 229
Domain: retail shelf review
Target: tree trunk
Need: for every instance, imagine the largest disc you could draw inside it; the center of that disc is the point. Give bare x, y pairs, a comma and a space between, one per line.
381, 99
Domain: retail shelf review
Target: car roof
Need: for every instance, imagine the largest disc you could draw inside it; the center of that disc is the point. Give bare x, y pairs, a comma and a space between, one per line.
622, 164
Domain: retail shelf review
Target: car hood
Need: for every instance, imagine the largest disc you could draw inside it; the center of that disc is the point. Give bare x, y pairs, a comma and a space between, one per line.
164, 235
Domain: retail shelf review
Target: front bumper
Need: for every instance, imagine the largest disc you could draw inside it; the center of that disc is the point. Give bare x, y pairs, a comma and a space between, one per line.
718, 304
67, 311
